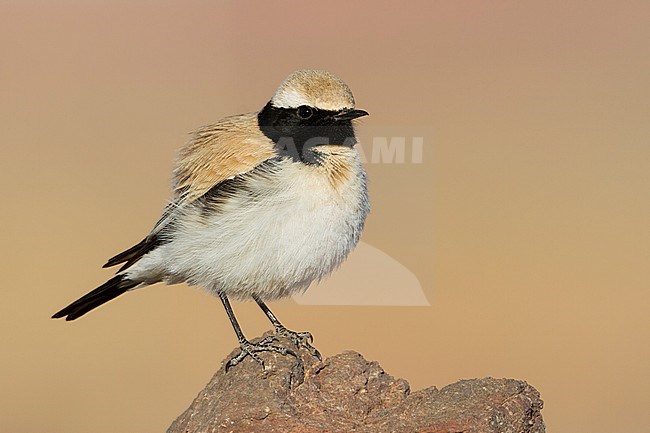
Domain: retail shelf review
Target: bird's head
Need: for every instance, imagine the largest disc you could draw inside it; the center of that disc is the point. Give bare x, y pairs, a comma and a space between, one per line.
310, 108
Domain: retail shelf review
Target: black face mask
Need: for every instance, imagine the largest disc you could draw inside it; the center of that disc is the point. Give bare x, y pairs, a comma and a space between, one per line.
296, 131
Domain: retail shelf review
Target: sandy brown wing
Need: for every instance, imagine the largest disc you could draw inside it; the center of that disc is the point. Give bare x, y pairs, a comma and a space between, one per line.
213, 154
217, 152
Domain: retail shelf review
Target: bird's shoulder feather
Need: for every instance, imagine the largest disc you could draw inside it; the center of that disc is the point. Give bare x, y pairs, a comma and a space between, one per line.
216, 152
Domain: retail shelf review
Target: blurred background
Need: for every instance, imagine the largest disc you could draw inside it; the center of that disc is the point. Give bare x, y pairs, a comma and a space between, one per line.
526, 224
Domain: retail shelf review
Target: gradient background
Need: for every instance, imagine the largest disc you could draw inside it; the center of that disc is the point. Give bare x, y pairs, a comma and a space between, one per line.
527, 224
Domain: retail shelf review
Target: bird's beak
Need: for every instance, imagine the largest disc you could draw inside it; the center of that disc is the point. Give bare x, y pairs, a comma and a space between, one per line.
350, 114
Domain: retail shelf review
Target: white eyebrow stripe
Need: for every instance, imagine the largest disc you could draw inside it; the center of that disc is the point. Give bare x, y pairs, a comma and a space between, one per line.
289, 98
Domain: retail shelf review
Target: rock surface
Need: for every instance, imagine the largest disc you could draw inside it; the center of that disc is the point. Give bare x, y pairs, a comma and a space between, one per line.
347, 393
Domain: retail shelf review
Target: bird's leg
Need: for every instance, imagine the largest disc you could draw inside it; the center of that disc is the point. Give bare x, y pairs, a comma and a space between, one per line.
248, 348
301, 339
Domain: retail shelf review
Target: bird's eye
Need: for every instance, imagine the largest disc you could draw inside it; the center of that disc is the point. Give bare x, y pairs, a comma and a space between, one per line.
305, 112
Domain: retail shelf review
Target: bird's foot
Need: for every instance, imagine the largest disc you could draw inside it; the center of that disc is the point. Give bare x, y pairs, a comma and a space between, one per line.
300, 339
252, 350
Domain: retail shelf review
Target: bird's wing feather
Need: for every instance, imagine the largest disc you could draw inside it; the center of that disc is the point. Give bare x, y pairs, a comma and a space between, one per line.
214, 154
217, 152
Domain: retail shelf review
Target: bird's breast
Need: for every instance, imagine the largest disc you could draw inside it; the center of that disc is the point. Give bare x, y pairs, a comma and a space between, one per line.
274, 230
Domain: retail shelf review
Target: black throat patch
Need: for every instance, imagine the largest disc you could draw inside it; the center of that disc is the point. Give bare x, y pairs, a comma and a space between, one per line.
296, 136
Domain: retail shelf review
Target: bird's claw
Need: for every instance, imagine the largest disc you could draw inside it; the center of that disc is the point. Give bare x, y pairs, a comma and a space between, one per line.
252, 349
300, 339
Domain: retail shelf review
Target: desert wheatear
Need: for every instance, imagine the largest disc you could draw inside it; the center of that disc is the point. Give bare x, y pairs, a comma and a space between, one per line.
263, 204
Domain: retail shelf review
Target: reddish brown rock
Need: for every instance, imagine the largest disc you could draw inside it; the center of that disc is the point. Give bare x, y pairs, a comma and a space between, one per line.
348, 393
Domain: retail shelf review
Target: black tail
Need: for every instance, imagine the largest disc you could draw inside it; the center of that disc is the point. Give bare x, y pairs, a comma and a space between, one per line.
127, 255
111, 289
134, 253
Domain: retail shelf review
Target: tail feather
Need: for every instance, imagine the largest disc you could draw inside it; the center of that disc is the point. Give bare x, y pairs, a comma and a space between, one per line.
127, 255
134, 253
111, 289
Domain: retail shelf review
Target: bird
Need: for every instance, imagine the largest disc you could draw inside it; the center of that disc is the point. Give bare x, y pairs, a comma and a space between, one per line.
263, 204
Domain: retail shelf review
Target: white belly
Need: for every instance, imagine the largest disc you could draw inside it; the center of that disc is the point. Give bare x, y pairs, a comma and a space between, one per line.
272, 238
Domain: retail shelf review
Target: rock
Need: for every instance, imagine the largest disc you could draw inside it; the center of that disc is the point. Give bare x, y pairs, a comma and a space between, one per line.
348, 393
